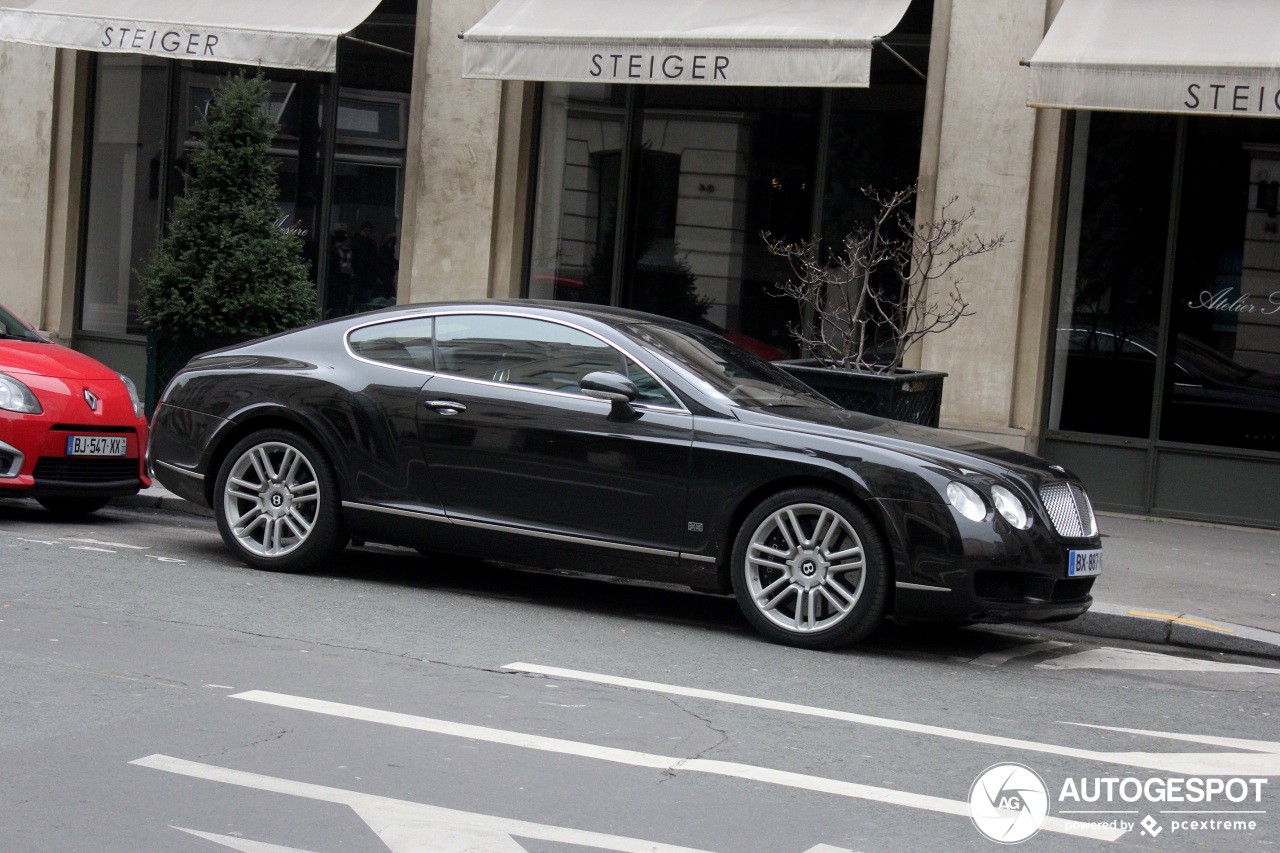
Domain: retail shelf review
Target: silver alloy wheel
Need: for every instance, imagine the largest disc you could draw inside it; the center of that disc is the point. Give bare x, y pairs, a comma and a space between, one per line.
805, 568
271, 499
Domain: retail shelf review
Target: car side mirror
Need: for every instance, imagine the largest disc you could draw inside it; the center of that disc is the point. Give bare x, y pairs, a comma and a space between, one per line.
614, 387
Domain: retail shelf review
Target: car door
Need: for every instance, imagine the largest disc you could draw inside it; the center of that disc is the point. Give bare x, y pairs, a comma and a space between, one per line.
513, 444
392, 359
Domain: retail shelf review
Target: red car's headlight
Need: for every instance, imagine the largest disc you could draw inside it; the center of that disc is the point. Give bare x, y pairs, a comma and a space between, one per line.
16, 397
138, 410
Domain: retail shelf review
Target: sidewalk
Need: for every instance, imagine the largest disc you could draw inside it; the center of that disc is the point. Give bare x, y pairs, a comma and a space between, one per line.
1204, 586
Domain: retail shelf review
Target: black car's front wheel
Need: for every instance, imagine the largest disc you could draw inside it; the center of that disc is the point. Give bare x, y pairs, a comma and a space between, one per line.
810, 569
276, 502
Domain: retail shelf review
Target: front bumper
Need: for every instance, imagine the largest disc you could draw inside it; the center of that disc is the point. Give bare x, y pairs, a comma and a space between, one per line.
961, 571
34, 460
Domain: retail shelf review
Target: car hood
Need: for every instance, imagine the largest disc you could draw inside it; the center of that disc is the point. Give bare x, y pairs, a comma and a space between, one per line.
924, 443
53, 360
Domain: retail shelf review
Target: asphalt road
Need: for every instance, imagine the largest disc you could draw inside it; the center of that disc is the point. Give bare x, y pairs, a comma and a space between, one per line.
160, 696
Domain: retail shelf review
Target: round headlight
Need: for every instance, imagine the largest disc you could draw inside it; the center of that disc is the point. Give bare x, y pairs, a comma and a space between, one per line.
1010, 508
967, 501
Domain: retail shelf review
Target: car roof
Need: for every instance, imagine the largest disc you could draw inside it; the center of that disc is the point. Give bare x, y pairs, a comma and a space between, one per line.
605, 314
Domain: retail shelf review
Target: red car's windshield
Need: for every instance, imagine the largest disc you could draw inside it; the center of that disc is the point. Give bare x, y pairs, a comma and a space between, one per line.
13, 329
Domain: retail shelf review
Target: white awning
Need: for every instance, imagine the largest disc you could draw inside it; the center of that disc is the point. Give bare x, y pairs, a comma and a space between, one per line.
704, 42
1164, 56
275, 33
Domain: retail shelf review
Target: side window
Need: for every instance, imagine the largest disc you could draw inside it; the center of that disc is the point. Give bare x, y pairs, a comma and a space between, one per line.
651, 390
401, 343
532, 353
521, 351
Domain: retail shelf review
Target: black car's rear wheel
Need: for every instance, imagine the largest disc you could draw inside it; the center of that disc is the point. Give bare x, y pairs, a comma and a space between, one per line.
72, 507
276, 502
810, 569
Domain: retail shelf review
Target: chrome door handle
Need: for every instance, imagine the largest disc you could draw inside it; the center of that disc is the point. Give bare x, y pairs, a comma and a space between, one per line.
445, 407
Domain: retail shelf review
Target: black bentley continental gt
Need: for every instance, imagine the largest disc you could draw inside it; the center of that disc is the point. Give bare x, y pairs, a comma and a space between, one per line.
617, 443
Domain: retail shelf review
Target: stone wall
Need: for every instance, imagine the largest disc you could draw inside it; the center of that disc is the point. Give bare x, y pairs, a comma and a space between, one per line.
27, 78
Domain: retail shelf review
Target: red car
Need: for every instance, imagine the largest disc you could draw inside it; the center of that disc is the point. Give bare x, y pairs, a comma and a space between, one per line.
73, 432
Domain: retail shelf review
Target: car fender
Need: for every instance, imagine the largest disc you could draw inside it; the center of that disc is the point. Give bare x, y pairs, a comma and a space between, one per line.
265, 415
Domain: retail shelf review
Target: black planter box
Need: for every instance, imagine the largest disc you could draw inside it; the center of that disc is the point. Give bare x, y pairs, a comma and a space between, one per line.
914, 396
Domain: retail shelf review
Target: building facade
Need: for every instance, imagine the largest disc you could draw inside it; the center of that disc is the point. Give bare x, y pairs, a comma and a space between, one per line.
1129, 329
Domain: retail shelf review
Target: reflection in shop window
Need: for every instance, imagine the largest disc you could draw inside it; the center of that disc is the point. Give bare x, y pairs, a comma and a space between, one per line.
656, 197
575, 217
1221, 346
125, 208
1223, 383
1121, 183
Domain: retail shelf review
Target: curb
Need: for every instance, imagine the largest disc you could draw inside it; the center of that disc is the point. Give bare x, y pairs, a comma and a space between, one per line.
1116, 621
148, 499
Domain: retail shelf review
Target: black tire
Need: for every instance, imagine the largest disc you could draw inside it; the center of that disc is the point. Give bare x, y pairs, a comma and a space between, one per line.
824, 591
73, 507
285, 480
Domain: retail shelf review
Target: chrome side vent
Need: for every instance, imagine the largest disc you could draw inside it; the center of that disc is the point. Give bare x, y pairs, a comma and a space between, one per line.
1069, 509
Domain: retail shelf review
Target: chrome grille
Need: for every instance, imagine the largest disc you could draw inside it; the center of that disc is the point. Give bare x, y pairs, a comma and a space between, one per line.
1069, 509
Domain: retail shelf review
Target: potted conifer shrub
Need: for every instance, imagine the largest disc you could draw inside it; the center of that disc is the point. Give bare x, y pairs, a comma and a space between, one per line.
225, 272
891, 282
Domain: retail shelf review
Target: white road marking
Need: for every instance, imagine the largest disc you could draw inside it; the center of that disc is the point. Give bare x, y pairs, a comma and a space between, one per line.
90, 548
219, 686
244, 845
100, 542
408, 827
1211, 740
36, 541
1191, 764
166, 559
1000, 658
1136, 659
634, 758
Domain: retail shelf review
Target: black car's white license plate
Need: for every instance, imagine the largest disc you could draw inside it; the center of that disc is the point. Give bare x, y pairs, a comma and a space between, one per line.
97, 445
1084, 563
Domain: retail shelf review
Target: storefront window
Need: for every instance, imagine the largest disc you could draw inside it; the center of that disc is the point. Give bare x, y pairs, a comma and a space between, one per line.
1113, 274
1222, 378
125, 204
579, 182
345, 208
1220, 385
656, 198
366, 202
296, 102
721, 168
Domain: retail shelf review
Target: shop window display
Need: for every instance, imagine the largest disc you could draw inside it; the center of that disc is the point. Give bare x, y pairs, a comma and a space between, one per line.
656, 197
1210, 374
145, 122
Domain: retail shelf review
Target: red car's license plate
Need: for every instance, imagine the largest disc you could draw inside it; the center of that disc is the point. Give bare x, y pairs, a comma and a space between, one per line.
97, 445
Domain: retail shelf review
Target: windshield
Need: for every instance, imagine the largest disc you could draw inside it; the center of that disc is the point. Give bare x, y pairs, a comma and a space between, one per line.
725, 371
13, 329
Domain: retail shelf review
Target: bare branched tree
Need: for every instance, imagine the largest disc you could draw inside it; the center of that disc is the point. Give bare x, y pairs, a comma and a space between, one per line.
892, 283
